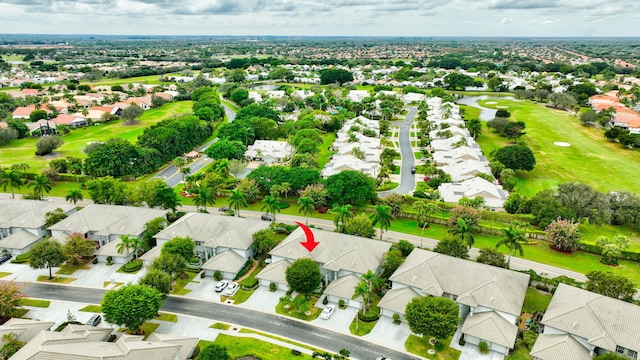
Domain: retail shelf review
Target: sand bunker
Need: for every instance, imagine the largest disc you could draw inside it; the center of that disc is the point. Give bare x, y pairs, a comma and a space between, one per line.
502, 107
561, 144
491, 102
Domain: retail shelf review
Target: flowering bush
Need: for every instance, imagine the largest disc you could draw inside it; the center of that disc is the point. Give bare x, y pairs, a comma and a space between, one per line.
564, 235
464, 212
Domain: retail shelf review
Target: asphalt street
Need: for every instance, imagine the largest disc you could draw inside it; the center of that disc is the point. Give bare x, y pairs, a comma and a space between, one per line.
407, 179
289, 328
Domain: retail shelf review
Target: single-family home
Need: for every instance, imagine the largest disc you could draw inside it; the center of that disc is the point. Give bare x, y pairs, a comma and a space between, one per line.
465, 170
451, 143
489, 298
457, 155
22, 223
368, 154
42, 127
224, 243
255, 96
344, 138
338, 255
70, 120
449, 132
275, 94
413, 98
302, 94
24, 112
580, 324
269, 151
494, 195
106, 223
24, 329
339, 163
357, 95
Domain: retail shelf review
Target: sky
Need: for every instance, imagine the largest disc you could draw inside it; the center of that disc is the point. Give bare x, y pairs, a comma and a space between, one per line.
423, 18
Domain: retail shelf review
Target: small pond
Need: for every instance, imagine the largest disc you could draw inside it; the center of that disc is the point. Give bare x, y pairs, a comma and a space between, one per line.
486, 114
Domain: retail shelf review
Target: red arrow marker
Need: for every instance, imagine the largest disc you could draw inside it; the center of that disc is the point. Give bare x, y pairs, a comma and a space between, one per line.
310, 244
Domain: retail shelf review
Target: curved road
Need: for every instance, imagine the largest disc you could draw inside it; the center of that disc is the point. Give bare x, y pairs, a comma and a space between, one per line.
407, 179
286, 327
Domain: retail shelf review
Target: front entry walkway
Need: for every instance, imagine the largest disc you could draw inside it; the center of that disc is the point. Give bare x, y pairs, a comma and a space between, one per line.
471, 352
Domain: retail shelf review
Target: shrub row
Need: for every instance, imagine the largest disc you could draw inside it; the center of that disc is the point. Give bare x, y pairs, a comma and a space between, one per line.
245, 269
21, 259
250, 283
368, 316
133, 266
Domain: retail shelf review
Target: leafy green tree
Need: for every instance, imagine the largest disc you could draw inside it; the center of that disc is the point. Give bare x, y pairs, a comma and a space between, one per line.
350, 186
182, 246
463, 231
424, 210
457, 81
47, 144
382, 216
10, 299
151, 228
303, 276
331, 76
391, 261
54, 217
38, 114
131, 113
612, 249
214, 352
249, 188
307, 207
360, 225
41, 185
362, 290
131, 305
238, 95
108, 190
432, 316
516, 157
11, 345
452, 247
264, 241
47, 253
125, 245
158, 280
204, 197
172, 264
237, 200
404, 246
74, 195
511, 238
491, 256
77, 249
226, 149
11, 179
475, 127
611, 285
271, 205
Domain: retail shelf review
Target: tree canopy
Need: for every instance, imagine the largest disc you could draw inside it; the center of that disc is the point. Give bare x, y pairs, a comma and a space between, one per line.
332, 76
516, 157
131, 305
303, 276
183, 246
611, 285
350, 186
432, 316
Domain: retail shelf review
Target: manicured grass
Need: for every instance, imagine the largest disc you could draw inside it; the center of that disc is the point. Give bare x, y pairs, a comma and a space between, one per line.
249, 331
147, 327
388, 186
534, 301
23, 150
149, 79
3, 274
18, 313
470, 112
418, 155
520, 353
107, 283
298, 315
167, 317
92, 308
363, 328
231, 105
121, 269
178, 286
239, 346
324, 154
67, 269
35, 302
589, 234
220, 326
57, 280
419, 345
590, 159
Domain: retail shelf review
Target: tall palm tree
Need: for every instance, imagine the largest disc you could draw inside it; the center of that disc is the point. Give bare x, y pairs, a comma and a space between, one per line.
362, 290
204, 197
11, 179
463, 231
237, 200
185, 171
475, 127
512, 236
343, 213
74, 195
383, 216
136, 243
306, 207
271, 205
125, 245
41, 185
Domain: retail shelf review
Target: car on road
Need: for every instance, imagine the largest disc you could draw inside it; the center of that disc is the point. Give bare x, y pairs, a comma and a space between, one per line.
4, 258
382, 358
224, 208
231, 289
221, 285
327, 311
94, 320
267, 217
413, 169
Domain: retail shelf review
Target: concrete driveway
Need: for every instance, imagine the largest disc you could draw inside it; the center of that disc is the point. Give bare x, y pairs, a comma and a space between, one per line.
264, 300
339, 320
203, 289
388, 334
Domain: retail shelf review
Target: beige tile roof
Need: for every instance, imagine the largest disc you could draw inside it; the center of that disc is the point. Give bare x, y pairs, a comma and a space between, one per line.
559, 347
275, 272
228, 261
344, 287
491, 327
473, 283
28, 214
605, 322
25, 329
396, 300
336, 251
215, 230
187, 344
19, 240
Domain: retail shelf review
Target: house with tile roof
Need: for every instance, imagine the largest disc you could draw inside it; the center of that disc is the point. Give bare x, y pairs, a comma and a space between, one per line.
580, 324
24, 112
340, 163
489, 298
457, 155
224, 243
24, 329
70, 120
22, 223
466, 170
269, 151
494, 195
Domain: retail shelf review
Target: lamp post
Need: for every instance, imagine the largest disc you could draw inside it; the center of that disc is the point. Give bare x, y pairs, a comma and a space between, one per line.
422, 233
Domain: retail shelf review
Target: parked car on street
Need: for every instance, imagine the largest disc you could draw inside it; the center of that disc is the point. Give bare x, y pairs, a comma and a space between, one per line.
94, 320
221, 285
327, 311
224, 208
231, 289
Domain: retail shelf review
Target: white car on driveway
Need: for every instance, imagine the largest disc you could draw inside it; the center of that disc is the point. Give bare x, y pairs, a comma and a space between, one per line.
221, 285
328, 310
231, 289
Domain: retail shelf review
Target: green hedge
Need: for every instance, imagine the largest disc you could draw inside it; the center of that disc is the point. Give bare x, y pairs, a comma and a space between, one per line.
133, 266
21, 259
244, 270
250, 283
369, 316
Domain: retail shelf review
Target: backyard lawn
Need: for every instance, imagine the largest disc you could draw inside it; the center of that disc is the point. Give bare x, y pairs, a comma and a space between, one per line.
23, 150
590, 159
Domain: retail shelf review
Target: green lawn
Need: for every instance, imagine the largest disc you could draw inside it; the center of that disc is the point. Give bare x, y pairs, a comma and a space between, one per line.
178, 285
67, 269
420, 345
240, 346
470, 112
167, 317
3, 274
325, 153
520, 353
92, 308
220, 326
23, 150
149, 79
360, 328
35, 302
590, 159
534, 301
315, 311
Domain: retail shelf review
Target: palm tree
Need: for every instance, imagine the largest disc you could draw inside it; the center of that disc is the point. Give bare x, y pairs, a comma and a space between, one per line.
41, 185
237, 200
135, 243
271, 205
343, 213
463, 231
125, 245
512, 238
475, 127
185, 171
204, 197
23, 167
383, 216
362, 290
307, 207
74, 195
11, 179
